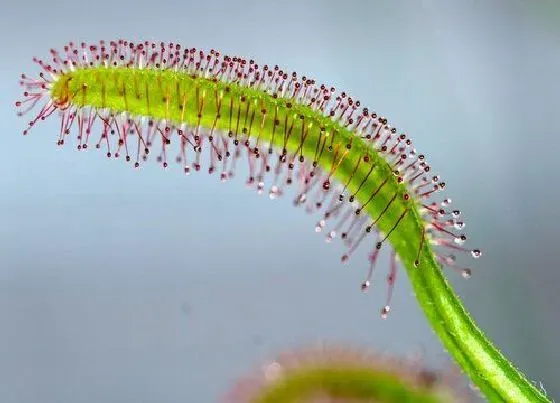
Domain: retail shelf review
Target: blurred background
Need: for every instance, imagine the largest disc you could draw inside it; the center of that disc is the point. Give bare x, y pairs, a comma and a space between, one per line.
117, 285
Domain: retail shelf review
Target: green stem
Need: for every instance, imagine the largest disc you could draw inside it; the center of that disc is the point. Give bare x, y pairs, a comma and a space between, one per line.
496, 377
488, 369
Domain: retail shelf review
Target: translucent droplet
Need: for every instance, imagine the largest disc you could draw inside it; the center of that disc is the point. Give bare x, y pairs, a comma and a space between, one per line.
460, 239
459, 225
365, 286
273, 194
330, 236
385, 312
456, 213
300, 199
466, 273
476, 253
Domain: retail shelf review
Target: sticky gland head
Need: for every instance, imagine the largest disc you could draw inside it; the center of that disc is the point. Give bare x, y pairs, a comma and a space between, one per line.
340, 374
365, 178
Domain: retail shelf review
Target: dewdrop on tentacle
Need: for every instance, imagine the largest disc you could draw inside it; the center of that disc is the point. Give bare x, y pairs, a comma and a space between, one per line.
205, 110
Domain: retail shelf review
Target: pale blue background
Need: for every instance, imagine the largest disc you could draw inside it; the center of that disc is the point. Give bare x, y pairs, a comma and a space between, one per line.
119, 286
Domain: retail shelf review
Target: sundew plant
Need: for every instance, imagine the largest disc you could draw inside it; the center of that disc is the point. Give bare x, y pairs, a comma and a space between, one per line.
363, 178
